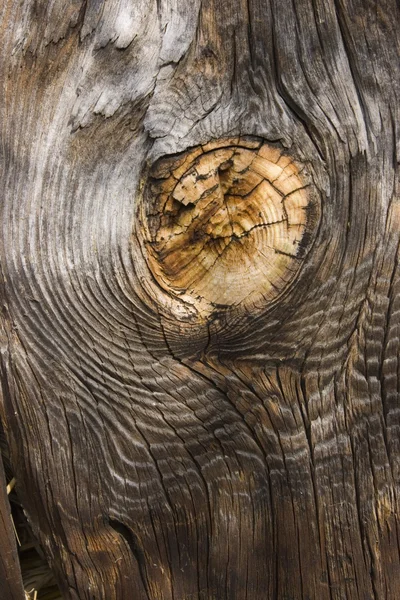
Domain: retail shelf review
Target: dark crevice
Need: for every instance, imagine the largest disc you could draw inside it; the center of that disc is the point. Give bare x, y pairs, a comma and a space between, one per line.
352, 66
134, 546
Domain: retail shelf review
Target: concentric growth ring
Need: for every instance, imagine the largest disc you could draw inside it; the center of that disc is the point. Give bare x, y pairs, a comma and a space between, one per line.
228, 223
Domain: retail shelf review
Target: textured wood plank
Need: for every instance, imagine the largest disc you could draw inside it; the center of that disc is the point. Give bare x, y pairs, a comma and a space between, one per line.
253, 453
10, 573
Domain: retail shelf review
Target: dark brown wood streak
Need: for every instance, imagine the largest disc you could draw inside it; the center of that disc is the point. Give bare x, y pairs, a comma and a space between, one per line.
251, 454
10, 572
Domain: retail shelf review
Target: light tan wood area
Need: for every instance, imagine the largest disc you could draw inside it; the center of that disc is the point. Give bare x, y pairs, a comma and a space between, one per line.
228, 223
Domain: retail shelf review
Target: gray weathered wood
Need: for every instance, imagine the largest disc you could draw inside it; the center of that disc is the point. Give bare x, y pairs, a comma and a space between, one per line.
253, 454
10, 572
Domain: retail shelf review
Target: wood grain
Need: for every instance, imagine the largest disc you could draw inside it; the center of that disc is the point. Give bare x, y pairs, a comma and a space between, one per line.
10, 572
227, 225
252, 453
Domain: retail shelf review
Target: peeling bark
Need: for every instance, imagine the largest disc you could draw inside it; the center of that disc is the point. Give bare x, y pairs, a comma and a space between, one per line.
252, 453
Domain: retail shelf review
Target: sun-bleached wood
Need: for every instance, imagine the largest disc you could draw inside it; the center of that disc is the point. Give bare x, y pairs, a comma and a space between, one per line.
253, 453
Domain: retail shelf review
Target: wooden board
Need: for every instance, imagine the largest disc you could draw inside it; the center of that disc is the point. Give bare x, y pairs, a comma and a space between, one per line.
230, 432
10, 573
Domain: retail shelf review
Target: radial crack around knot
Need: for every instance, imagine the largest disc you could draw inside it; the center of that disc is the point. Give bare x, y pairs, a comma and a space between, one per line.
228, 224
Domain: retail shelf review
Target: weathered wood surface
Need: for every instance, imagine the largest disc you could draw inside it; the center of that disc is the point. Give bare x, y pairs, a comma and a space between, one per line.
10, 572
163, 453
226, 225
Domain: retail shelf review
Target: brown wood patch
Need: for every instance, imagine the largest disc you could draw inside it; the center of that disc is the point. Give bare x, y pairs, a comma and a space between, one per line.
228, 224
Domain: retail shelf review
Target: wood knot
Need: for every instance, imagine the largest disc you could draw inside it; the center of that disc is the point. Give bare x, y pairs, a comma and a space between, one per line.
228, 223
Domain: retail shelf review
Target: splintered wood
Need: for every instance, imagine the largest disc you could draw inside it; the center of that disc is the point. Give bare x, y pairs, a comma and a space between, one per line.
228, 223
